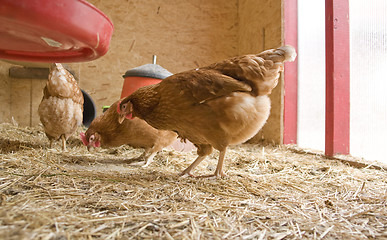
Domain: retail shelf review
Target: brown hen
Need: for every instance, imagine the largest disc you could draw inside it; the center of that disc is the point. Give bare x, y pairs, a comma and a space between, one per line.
61, 108
223, 104
105, 131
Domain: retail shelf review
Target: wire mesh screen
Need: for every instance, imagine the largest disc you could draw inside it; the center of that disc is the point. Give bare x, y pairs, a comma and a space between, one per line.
368, 39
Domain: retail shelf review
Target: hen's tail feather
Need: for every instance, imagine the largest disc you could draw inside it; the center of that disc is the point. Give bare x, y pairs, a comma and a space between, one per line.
289, 53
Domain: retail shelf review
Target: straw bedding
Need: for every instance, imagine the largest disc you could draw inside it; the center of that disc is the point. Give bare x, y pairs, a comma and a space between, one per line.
271, 192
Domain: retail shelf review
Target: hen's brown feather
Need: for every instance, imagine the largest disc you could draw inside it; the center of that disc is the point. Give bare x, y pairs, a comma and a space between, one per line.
205, 84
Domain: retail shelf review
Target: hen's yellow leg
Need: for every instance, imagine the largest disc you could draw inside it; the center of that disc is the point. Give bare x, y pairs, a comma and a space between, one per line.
192, 166
147, 157
219, 168
63, 142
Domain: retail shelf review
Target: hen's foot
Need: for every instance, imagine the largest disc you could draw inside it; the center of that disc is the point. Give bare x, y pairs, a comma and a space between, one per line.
140, 164
186, 173
214, 175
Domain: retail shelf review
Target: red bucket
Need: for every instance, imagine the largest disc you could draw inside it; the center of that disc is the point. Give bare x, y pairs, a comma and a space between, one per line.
142, 76
131, 84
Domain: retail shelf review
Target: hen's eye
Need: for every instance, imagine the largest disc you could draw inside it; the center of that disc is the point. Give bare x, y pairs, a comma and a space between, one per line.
92, 138
123, 106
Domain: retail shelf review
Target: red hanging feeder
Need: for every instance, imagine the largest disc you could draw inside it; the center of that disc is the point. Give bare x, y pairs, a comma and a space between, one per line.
53, 31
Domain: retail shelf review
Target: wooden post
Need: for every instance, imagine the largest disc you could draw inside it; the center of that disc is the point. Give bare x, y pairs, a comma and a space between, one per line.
290, 31
337, 77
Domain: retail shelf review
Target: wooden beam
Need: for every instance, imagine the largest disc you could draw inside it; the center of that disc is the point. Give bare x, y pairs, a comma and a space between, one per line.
337, 77
29, 72
290, 31
34, 72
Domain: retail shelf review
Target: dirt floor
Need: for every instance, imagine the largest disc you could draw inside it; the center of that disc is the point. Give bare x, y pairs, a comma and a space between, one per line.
270, 193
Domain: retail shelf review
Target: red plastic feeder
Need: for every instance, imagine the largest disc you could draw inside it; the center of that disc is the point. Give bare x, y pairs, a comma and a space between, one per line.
142, 76
132, 83
53, 31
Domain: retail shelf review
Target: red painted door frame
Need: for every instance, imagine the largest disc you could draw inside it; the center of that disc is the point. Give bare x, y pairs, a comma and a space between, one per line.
337, 76
290, 31
337, 116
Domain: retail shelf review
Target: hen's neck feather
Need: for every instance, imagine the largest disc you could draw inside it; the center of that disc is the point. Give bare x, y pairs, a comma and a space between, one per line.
107, 122
144, 100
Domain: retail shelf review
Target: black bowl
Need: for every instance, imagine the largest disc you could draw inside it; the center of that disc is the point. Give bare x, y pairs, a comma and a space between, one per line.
89, 109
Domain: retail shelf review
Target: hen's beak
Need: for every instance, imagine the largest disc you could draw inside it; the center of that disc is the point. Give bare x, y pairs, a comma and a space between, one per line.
88, 148
121, 118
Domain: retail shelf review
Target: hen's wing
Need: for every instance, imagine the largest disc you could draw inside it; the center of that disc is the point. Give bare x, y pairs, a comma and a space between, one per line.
203, 84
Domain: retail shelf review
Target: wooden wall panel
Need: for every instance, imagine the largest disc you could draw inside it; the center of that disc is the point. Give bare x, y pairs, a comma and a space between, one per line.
259, 29
21, 100
183, 35
5, 96
36, 97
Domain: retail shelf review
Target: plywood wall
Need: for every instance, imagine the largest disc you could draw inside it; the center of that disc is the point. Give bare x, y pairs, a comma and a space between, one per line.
183, 34
5, 89
259, 29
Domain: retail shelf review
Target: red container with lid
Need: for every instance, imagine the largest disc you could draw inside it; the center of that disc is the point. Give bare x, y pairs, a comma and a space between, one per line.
142, 76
